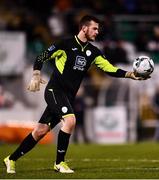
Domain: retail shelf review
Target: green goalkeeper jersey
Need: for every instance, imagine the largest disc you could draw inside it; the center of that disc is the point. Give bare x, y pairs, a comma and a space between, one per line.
71, 59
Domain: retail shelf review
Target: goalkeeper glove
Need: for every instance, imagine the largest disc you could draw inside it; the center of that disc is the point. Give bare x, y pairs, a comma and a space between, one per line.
132, 75
34, 84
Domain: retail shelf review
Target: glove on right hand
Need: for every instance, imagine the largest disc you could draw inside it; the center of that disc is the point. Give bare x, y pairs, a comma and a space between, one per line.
34, 84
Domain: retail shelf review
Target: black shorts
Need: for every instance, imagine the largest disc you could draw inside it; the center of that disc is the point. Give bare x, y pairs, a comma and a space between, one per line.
59, 105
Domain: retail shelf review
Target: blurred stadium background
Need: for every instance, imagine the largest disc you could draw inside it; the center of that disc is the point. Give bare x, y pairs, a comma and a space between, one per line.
113, 110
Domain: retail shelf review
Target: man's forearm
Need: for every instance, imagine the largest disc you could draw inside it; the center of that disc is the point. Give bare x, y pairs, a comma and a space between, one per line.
41, 59
119, 73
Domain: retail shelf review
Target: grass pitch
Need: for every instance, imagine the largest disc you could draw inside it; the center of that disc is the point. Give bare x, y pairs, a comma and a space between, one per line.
131, 161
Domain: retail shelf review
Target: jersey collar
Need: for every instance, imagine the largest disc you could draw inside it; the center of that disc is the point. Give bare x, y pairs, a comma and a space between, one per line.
82, 44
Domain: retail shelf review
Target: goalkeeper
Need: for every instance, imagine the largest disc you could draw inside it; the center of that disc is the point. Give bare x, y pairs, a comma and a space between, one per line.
70, 59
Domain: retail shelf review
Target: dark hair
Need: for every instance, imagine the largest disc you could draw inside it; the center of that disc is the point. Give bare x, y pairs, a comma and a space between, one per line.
85, 20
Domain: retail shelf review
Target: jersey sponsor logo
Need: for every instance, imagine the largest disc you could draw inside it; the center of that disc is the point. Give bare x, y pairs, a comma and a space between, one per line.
88, 52
74, 49
80, 63
51, 48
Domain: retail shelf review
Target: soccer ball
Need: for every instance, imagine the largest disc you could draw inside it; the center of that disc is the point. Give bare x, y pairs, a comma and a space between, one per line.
143, 66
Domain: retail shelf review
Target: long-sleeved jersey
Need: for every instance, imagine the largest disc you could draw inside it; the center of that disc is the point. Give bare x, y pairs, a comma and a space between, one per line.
72, 58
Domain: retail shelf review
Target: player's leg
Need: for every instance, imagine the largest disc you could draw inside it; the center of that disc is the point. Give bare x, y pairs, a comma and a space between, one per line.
59, 104
31, 140
27, 144
68, 124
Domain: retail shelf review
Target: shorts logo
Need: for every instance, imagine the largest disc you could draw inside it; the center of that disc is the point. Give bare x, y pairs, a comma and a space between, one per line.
64, 109
80, 63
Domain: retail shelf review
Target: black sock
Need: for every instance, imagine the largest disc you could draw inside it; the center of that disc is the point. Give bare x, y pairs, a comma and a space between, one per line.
62, 145
27, 144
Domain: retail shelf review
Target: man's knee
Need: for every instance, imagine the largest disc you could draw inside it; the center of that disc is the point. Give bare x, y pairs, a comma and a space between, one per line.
40, 131
68, 124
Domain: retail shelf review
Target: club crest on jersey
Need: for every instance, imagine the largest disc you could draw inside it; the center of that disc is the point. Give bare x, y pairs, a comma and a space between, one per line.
80, 63
88, 52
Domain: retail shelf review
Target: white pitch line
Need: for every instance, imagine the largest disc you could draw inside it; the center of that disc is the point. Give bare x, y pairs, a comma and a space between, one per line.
102, 160
124, 168
125, 160
133, 168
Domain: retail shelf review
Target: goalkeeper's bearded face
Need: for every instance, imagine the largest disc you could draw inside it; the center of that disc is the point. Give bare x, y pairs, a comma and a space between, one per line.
91, 31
